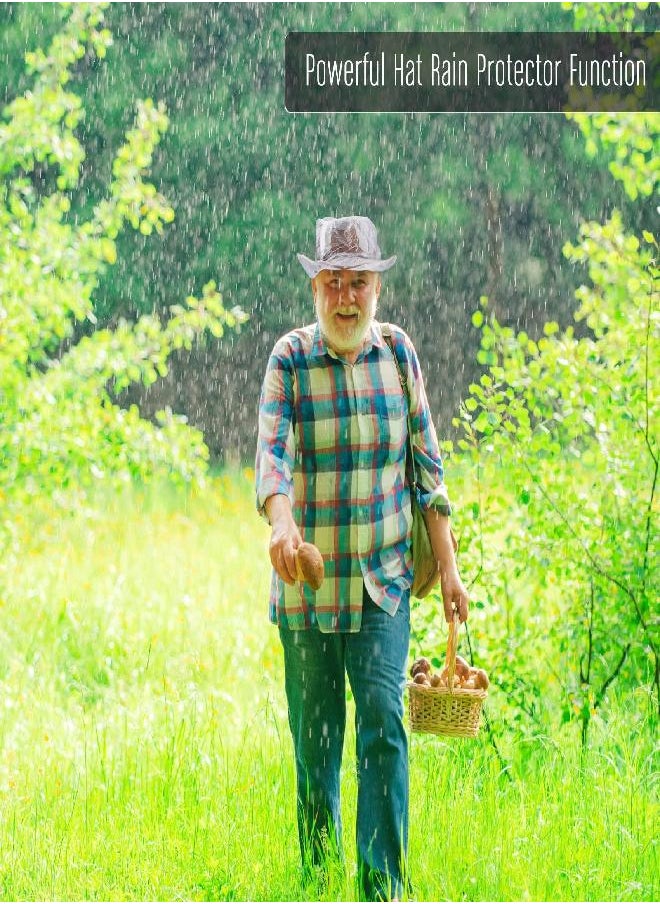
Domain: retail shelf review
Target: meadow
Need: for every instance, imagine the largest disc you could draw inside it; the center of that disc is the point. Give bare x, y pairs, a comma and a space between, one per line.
145, 747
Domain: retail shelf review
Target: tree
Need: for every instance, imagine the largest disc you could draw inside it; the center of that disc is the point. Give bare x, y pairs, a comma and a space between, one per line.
471, 204
570, 422
61, 429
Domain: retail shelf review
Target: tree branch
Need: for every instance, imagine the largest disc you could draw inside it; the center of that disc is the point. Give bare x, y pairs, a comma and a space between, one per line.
590, 637
594, 563
616, 671
649, 510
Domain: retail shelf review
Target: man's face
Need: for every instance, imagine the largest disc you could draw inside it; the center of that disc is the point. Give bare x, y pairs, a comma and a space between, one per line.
345, 306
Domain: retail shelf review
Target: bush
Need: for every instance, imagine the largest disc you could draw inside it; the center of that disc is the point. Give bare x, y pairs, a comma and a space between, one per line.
61, 428
567, 423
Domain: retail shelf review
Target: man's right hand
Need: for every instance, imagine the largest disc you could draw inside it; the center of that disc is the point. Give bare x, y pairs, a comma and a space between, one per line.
285, 537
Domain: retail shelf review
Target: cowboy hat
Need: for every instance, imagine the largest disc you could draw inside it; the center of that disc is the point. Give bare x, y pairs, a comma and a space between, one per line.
346, 243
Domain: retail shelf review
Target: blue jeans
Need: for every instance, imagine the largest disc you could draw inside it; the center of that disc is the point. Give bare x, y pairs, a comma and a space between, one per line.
315, 667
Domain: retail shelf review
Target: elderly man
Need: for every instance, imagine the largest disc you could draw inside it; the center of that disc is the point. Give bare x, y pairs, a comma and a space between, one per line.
331, 470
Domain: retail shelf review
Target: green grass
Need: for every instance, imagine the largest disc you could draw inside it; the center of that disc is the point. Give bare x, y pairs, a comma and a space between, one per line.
145, 755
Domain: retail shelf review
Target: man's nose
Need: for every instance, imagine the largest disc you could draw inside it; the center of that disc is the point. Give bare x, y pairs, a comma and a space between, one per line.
346, 293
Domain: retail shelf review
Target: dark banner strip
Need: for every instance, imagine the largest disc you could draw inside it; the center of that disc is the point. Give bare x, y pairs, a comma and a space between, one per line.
471, 72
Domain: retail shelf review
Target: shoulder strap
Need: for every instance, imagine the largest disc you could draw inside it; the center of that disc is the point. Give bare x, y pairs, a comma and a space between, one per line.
386, 330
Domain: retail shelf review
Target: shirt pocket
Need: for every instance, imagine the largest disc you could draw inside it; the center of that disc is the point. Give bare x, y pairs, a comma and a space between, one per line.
394, 425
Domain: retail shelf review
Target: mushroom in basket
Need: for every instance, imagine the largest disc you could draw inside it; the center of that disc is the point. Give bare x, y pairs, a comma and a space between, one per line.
465, 675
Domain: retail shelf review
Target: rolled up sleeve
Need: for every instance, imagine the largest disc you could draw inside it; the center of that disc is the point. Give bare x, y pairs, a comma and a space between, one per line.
428, 461
275, 443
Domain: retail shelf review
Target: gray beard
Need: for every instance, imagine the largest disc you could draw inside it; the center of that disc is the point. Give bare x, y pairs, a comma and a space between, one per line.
355, 344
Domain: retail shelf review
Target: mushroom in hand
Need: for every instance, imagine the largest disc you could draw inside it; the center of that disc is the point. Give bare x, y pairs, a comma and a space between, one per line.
309, 565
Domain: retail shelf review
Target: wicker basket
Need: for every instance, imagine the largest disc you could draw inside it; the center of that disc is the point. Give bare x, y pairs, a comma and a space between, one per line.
453, 711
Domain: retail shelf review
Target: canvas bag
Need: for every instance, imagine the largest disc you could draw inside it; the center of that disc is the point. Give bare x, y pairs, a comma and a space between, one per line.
425, 566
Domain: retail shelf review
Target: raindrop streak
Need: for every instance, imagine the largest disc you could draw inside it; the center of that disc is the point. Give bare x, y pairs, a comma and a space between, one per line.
471, 205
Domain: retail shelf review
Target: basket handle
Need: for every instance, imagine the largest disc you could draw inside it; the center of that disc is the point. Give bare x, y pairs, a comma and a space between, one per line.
452, 646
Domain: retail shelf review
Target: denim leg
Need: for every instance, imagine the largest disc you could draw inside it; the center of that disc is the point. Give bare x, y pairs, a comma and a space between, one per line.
316, 696
376, 663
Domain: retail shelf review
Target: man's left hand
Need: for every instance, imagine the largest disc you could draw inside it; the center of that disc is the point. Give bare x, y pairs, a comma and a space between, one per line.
454, 594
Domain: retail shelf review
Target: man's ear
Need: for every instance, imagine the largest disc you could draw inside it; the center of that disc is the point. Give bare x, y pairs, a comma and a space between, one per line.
378, 285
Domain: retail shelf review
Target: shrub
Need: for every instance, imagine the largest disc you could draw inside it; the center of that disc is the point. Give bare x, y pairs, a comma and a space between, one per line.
61, 427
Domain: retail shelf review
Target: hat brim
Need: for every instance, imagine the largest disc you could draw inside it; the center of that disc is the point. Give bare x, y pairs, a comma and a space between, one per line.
345, 262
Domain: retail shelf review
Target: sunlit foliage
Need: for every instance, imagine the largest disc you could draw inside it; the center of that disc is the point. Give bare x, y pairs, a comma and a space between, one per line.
61, 428
571, 422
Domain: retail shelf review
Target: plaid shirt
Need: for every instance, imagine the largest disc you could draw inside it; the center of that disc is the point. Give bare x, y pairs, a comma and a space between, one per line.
332, 437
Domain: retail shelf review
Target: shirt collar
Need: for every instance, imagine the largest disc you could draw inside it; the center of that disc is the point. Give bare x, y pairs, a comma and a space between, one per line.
373, 339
